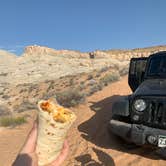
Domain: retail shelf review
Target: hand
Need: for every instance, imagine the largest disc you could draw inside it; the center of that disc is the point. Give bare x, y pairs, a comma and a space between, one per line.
28, 157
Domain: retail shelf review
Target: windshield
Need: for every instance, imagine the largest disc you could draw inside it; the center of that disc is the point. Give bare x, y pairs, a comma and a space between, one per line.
157, 66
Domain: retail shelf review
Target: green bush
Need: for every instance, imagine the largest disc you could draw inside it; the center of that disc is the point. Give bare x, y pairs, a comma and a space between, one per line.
110, 77
11, 121
70, 97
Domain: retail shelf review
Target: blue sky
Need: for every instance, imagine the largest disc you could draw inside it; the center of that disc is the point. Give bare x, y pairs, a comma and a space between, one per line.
83, 25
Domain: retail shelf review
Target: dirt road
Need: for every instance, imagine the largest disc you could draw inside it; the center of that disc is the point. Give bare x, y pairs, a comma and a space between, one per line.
90, 143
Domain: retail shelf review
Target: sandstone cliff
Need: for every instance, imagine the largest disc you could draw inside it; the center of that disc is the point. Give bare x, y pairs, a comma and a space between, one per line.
38, 63
115, 54
41, 50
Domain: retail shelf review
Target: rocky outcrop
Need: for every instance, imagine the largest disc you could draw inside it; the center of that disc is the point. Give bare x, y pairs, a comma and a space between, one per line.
41, 50
39, 63
38, 50
122, 55
138, 52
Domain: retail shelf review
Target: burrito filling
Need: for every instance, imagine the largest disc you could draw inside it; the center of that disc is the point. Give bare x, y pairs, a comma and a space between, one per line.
59, 113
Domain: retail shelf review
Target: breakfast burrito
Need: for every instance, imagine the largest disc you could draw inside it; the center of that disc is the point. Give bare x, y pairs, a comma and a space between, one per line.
54, 122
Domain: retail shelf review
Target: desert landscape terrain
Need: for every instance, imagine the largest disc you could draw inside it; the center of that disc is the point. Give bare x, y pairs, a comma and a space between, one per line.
88, 83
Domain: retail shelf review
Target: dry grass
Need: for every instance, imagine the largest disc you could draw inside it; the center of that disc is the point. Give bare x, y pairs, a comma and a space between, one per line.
12, 121
70, 97
110, 77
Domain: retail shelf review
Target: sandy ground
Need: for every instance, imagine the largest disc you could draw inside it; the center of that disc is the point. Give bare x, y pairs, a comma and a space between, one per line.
90, 143
12, 140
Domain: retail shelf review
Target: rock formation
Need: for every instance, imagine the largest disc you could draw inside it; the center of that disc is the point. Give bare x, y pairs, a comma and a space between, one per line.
115, 54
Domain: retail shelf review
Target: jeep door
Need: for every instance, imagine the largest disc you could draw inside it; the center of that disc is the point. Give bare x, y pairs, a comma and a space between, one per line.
136, 72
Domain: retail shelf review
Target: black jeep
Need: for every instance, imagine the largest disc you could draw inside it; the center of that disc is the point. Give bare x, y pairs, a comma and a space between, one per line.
140, 118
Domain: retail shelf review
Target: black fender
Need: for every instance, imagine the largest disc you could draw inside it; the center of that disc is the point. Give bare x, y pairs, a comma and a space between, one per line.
121, 107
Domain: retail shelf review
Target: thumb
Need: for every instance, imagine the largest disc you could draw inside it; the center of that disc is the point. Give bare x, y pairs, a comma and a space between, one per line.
30, 144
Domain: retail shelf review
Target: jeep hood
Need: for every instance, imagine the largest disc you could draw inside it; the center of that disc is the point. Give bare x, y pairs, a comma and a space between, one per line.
152, 87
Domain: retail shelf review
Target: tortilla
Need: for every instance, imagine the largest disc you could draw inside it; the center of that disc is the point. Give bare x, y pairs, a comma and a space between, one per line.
54, 122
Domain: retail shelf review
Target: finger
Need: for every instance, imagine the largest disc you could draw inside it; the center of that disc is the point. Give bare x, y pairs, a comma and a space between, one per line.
30, 145
59, 160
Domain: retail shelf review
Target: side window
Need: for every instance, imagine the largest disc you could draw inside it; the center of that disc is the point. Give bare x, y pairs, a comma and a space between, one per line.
157, 66
132, 67
154, 66
144, 65
137, 66
140, 66
136, 72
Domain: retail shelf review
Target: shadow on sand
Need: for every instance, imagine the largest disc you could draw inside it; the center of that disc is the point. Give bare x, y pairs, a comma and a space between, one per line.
95, 130
105, 159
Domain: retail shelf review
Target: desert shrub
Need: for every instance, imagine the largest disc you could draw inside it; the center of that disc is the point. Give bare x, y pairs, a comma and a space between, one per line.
12, 121
90, 76
48, 95
92, 82
71, 82
4, 110
116, 66
103, 69
51, 85
33, 87
94, 89
97, 75
70, 97
124, 71
82, 82
23, 90
110, 77
1, 93
24, 106
3, 74
81, 87
5, 97
100, 85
